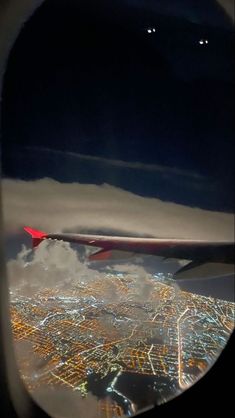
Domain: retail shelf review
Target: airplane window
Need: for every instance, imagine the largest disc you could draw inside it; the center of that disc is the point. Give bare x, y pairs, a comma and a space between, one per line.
118, 204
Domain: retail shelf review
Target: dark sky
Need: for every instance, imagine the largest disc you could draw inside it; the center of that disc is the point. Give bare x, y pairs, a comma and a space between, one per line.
92, 80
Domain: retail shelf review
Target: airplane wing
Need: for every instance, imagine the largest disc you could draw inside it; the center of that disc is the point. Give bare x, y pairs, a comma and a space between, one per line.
198, 252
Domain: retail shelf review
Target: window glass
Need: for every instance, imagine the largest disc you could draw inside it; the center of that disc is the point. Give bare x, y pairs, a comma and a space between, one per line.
117, 141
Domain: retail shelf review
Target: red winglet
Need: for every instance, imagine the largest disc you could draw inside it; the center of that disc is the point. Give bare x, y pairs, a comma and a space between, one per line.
37, 236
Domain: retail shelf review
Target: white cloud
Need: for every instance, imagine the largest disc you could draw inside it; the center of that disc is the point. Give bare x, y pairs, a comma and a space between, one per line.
56, 264
52, 206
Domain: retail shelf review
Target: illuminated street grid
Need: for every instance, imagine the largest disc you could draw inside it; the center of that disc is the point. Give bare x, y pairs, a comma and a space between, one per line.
76, 334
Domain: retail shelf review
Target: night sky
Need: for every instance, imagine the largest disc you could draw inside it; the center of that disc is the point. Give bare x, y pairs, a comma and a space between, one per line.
90, 80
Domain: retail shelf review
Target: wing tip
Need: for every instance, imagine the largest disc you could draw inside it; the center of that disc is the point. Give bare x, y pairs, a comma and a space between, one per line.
36, 235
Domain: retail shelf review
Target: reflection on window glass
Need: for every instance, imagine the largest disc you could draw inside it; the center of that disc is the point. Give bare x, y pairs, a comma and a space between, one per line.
117, 130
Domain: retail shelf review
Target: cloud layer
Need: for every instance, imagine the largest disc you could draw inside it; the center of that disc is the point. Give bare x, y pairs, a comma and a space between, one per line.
52, 206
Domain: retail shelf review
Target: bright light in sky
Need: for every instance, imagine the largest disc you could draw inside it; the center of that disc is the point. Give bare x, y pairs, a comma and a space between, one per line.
203, 41
151, 30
